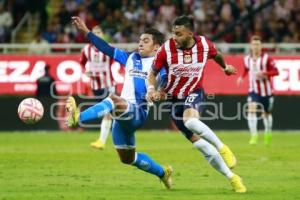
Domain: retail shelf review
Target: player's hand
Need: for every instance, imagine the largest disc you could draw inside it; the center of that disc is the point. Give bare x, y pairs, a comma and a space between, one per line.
230, 70
162, 95
88, 73
239, 81
79, 23
261, 76
152, 95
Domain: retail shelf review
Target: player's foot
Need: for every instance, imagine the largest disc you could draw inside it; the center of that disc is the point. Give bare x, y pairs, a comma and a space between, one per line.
98, 144
167, 179
253, 139
228, 156
72, 112
237, 184
267, 138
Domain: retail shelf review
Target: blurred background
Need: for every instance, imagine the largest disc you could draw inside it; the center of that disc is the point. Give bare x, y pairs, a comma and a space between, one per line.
36, 35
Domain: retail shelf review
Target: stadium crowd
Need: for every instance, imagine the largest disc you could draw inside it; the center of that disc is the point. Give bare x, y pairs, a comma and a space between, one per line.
123, 20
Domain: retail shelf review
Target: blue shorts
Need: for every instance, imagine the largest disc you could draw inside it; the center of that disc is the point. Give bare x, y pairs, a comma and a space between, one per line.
266, 102
124, 126
194, 100
101, 94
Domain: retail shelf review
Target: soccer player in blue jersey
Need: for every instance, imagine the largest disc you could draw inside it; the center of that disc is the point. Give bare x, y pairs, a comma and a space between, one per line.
131, 109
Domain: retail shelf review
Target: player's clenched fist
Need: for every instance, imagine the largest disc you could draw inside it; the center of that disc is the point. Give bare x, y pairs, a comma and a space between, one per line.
229, 70
152, 96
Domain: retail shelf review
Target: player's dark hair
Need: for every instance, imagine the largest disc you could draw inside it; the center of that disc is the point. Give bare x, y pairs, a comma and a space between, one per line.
185, 21
158, 37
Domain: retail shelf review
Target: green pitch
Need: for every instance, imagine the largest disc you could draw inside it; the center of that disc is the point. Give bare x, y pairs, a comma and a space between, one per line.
63, 166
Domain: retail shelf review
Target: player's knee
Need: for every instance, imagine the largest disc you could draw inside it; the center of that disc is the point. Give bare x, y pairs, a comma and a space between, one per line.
114, 98
252, 107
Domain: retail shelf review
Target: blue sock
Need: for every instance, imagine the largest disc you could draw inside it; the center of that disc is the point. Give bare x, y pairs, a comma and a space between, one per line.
145, 163
97, 111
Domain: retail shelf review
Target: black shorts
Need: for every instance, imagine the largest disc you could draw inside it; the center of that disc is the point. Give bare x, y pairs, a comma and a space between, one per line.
266, 102
194, 100
101, 94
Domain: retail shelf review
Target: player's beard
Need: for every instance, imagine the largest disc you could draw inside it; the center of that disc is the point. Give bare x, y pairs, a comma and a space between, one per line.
182, 45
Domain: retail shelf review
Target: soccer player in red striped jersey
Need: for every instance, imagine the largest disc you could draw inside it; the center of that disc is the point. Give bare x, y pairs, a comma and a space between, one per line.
184, 57
261, 68
98, 68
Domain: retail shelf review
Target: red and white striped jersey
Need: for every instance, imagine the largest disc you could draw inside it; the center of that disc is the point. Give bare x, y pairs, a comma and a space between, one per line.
184, 67
99, 65
264, 64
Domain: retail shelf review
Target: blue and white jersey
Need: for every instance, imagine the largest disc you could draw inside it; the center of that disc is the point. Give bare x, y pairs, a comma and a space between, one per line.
136, 72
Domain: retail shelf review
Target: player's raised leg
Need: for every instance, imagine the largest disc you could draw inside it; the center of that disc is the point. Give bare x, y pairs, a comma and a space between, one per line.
74, 116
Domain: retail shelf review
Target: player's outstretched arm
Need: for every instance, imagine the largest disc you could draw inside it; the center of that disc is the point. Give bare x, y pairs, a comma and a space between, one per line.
117, 54
228, 69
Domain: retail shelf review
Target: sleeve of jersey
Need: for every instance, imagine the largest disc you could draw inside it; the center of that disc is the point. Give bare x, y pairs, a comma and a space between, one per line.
271, 68
246, 68
83, 58
121, 56
162, 78
160, 60
117, 54
212, 50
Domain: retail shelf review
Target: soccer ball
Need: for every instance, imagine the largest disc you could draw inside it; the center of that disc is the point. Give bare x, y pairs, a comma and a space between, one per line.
30, 110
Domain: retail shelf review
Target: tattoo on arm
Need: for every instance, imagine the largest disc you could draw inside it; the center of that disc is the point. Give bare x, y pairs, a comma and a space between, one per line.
220, 60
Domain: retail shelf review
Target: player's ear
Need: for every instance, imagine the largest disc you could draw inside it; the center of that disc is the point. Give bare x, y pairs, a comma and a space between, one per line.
156, 47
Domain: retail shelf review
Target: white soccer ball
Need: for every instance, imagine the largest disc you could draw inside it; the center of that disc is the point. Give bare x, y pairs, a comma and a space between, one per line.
30, 110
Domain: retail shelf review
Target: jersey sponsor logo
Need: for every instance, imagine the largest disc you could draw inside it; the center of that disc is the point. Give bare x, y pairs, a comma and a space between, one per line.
186, 70
138, 73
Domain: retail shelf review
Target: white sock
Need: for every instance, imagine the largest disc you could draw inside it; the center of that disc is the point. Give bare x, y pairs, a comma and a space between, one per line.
268, 122
252, 123
213, 157
105, 129
198, 127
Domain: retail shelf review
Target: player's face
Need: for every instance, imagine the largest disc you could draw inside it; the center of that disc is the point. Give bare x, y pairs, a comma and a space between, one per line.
98, 32
256, 47
182, 36
147, 47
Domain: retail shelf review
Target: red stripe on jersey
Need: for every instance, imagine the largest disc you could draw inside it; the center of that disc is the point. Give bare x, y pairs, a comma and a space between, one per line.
258, 88
89, 52
199, 84
266, 87
171, 82
104, 58
174, 53
182, 81
199, 50
98, 82
262, 89
187, 90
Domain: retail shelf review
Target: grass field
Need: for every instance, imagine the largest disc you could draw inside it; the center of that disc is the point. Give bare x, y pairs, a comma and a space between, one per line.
40, 165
